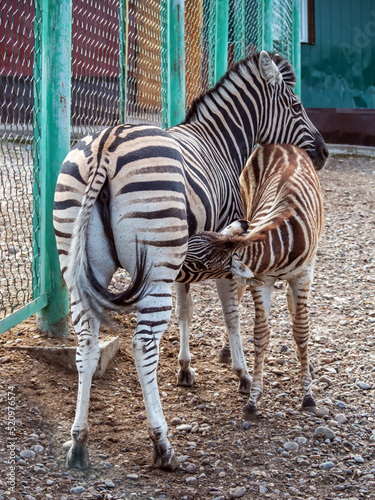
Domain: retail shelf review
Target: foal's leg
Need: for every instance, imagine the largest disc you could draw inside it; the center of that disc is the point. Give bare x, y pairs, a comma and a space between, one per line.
227, 290
297, 295
262, 300
184, 313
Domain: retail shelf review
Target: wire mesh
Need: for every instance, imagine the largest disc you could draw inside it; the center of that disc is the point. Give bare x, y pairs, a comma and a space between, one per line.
19, 265
283, 28
144, 70
197, 43
119, 74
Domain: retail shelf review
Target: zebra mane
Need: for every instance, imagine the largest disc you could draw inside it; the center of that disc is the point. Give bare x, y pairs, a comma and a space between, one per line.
248, 65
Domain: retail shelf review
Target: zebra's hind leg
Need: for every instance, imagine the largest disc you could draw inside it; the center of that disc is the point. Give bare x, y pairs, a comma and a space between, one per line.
184, 313
87, 356
227, 290
154, 312
297, 295
262, 300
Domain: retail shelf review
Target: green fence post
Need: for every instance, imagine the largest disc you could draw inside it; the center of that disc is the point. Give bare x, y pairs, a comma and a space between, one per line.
176, 62
297, 45
268, 25
55, 130
123, 58
221, 38
239, 30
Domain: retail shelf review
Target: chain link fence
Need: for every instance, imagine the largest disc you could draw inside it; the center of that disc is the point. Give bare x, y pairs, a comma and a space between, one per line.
19, 220
119, 59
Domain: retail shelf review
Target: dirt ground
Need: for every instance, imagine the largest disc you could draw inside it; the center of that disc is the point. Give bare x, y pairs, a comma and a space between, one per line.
221, 456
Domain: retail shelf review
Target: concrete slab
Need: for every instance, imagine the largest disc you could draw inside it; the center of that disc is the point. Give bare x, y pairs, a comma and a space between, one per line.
66, 356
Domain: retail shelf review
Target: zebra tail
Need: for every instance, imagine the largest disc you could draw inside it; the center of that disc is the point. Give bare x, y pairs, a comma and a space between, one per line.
80, 275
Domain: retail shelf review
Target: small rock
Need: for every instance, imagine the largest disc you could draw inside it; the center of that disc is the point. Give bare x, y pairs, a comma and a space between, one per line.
290, 445
27, 453
183, 458
303, 461
359, 459
4, 359
67, 445
191, 480
341, 418
301, 440
191, 468
284, 348
222, 474
133, 477
326, 465
246, 426
324, 432
325, 380
77, 490
184, 427
238, 492
263, 489
364, 386
340, 404
109, 483
141, 416
37, 448
176, 421
322, 412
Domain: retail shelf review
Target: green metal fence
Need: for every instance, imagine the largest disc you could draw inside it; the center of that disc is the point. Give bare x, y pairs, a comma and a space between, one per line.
71, 67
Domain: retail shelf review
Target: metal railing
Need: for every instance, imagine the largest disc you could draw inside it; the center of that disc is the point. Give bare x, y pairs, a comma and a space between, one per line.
69, 68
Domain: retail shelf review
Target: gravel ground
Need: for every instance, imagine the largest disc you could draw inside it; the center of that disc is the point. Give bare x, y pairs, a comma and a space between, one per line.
283, 454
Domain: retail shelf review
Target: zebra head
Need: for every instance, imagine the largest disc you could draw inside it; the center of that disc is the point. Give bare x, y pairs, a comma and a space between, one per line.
211, 251
284, 119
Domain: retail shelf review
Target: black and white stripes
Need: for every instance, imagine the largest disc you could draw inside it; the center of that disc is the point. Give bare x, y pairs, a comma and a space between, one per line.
131, 195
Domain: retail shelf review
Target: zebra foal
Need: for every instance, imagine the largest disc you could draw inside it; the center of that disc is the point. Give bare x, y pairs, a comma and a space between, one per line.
131, 195
283, 206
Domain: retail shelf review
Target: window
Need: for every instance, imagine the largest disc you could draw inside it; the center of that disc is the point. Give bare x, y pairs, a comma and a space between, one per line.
307, 21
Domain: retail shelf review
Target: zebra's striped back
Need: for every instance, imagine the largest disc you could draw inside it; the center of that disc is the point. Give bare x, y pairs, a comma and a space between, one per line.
283, 203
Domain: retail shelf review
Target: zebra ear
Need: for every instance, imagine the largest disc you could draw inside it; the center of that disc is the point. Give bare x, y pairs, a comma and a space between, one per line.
236, 228
268, 69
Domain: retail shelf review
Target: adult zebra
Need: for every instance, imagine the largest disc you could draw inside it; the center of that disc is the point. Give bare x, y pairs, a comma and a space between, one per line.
130, 196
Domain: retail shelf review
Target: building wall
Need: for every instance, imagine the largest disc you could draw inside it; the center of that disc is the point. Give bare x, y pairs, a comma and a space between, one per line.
338, 71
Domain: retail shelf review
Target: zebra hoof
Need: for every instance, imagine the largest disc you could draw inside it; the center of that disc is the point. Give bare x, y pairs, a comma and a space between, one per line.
164, 458
308, 404
185, 377
224, 356
78, 457
244, 385
250, 412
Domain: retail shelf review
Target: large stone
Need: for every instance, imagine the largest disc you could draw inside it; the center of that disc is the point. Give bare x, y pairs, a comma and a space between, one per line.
65, 356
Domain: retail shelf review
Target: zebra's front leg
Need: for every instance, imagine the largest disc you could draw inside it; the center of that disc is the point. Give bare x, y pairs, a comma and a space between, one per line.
225, 354
87, 356
262, 300
184, 314
227, 290
154, 312
297, 295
